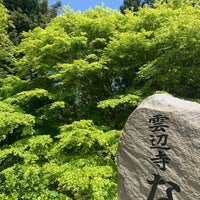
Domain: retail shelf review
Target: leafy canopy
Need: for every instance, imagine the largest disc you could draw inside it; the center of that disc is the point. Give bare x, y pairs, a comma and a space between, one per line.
72, 87
26, 15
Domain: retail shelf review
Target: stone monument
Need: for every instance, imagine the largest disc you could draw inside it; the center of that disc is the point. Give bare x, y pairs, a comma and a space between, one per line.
159, 151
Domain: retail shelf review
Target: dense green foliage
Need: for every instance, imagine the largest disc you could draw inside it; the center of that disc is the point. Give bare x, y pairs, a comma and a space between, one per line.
130, 5
26, 15
7, 60
67, 89
134, 5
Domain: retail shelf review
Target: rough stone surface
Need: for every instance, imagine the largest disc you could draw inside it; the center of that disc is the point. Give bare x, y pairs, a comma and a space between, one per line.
161, 128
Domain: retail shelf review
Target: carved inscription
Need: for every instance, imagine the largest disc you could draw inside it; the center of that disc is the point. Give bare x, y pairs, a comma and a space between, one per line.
158, 125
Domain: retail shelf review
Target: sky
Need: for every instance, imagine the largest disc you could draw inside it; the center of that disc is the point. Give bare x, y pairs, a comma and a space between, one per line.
83, 5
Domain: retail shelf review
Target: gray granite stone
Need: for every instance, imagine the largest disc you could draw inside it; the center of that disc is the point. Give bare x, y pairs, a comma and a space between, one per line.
159, 151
